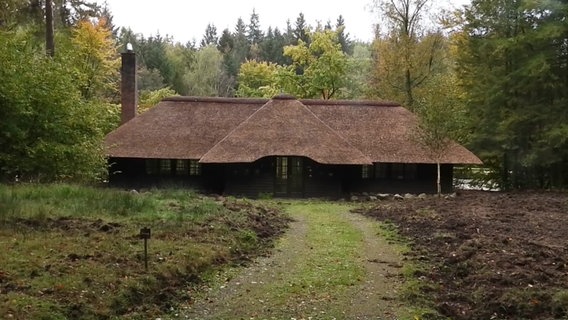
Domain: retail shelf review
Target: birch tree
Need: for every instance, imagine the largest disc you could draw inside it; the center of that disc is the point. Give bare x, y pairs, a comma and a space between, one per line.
442, 119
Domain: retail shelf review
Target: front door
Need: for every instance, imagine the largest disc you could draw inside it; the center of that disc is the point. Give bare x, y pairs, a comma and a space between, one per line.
289, 180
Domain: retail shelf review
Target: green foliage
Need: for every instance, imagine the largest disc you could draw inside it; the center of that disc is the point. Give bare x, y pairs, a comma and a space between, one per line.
407, 53
94, 57
49, 131
324, 64
66, 13
512, 60
442, 119
206, 76
317, 71
257, 79
273, 47
210, 37
73, 252
33, 201
166, 64
148, 99
442, 115
301, 30
152, 53
254, 34
359, 71
181, 57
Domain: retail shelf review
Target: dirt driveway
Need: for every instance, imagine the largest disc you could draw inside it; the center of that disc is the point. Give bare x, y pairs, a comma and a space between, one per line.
331, 264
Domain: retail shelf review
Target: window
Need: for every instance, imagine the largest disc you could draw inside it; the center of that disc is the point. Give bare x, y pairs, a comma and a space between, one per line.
182, 167
366, 171
165, 166
282, 168
194, 168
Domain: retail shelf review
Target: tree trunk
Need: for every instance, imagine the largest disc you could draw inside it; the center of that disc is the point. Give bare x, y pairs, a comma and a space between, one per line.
408, 89
49, 37
438, 180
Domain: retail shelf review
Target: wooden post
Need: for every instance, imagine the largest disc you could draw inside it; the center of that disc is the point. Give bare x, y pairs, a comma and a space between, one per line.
145, 233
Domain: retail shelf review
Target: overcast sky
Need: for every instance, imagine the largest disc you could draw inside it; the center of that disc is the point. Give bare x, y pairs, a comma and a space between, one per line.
186, 20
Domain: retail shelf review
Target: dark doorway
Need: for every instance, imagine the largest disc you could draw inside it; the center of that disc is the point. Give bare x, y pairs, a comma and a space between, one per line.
289, 180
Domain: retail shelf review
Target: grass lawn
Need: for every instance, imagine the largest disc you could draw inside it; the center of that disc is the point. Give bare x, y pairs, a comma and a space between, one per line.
75, 252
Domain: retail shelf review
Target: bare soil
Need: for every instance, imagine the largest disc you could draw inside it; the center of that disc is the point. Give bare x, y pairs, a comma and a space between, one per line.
488, 255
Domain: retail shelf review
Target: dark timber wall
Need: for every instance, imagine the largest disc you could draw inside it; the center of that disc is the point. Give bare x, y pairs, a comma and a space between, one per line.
260, 179
250, 179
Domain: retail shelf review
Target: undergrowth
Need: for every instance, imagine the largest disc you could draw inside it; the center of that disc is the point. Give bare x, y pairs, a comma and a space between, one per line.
74, 252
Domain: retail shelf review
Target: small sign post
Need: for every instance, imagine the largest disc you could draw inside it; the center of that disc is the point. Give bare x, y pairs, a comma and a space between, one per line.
145, 234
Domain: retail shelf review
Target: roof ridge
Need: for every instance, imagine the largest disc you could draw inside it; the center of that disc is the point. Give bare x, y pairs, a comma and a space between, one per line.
340, 139
231, 132
370, 103
216, 99
335, 131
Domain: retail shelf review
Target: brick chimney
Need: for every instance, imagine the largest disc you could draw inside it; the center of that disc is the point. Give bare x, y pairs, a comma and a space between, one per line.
128, 86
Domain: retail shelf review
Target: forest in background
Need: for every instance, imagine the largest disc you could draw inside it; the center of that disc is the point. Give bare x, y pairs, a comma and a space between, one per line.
492, 75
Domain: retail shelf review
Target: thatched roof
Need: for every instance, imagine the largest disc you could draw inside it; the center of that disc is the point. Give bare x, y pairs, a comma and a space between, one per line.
221, 130
180, 128
284, 127
383, 132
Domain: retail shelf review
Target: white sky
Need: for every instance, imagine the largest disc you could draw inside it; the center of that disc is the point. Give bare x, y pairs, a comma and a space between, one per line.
187, 20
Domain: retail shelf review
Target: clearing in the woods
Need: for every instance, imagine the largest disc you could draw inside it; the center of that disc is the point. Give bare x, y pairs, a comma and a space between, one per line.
331, 264
73, 252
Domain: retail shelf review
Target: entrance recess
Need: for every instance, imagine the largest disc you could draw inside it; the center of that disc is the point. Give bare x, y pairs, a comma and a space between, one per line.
289, 180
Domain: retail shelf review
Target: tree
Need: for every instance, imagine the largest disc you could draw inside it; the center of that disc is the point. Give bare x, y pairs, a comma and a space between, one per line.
408, 53
254, 33
66, 13
442, 119
70, 12
49, 133
180, 58
512, 57
95, 60
210, 36
322, 64
239, 52
358, 74
106, 14
150, 98
149, 80
226, 42
206, 76
343, 38
257, 79
153, 55
301, 30
49, 31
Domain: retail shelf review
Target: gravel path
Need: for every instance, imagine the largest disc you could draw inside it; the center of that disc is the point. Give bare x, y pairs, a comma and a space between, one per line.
254, 292
377, 296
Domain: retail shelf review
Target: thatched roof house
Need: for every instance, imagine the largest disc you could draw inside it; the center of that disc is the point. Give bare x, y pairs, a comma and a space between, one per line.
245, 145
281, 146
